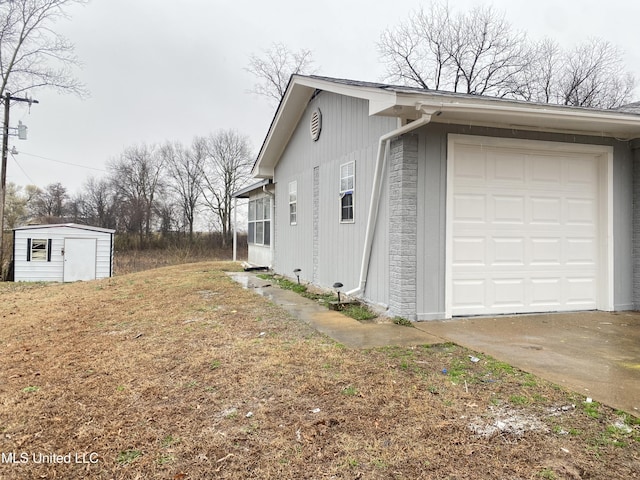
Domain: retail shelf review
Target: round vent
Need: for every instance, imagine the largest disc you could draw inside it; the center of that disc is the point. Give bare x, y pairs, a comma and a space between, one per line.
316, 124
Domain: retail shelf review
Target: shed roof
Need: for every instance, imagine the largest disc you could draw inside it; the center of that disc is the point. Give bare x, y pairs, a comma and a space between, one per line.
68, 225
410, 103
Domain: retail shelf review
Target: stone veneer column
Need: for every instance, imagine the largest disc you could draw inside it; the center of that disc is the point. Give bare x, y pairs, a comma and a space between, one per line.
403, 226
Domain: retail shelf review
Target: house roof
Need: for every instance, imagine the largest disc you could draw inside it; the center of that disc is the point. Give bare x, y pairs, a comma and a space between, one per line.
68, 225
410, 103
244, 193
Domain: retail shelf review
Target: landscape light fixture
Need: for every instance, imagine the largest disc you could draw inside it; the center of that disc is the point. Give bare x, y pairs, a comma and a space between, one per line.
297, 274
338, 286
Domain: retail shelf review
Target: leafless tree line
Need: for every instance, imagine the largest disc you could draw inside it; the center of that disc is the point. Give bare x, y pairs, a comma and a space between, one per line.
478, 52
149, 189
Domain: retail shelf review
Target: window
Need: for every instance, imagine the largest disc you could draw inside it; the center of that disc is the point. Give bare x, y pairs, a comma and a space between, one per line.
347, 186
259, 229
38, 250
293, 203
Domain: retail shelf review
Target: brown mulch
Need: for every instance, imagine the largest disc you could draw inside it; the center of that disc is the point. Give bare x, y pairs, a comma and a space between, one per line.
179, 373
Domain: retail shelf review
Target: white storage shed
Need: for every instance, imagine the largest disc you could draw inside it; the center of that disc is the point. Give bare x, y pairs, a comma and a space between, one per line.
62, 253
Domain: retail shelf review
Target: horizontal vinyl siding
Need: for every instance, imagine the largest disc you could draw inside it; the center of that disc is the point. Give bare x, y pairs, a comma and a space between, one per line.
348, 134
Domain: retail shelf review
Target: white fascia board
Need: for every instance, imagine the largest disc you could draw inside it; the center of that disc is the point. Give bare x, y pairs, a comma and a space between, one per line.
522, 116
292, 107
379, 99
284, 123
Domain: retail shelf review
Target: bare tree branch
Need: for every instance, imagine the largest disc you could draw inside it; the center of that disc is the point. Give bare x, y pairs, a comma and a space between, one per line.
32, 54
478, 52
274, 68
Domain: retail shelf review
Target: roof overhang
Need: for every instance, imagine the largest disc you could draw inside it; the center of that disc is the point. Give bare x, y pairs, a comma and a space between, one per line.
515, 115
446, 108
254, 187
76, 226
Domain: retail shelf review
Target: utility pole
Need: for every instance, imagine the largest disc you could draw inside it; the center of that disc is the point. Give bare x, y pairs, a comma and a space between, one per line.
3, 179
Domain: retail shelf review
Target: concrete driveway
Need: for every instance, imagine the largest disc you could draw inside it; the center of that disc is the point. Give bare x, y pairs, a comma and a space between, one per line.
593, 353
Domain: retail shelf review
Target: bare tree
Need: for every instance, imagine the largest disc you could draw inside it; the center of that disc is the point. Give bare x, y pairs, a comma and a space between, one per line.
227, 169
48, 204
479, 53
32, 54
594, 76
136, 177
186, 168
100, 203
538, 81
274, 69
474, 53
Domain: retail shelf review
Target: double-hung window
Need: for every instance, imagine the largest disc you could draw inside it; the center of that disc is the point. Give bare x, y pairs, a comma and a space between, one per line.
347, 187
259, 231
293, 203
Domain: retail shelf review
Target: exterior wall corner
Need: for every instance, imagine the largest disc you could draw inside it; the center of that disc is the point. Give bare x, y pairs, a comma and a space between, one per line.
403, 226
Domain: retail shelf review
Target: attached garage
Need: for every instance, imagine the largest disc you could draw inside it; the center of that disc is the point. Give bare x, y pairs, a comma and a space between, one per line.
464, 204
62, 253
528, 226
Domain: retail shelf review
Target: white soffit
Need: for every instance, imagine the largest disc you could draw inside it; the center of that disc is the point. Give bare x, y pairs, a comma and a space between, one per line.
517, 115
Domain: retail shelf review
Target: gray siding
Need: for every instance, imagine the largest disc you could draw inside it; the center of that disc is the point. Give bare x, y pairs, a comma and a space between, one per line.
636, 224
348, 134
431, 212
328, 251
432, 178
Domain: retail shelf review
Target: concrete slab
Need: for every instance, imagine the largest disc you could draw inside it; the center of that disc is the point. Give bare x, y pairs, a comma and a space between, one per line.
341, 328
593, 353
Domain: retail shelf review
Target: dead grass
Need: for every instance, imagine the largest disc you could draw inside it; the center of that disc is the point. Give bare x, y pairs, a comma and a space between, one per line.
179, 373
131, 261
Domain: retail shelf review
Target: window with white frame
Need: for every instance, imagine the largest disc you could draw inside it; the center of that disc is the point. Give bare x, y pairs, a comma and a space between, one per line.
347, 187
259, 228
293, 203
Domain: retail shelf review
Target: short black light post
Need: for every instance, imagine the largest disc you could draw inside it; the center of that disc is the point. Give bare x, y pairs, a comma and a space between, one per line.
297, 274
338, 286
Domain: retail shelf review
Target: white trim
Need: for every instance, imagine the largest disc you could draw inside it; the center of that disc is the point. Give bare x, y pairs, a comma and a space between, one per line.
65, 225
605, 295
293, 183
350, 191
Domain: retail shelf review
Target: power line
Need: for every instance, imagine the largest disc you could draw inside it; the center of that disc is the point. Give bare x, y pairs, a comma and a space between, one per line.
20, 167
62, 162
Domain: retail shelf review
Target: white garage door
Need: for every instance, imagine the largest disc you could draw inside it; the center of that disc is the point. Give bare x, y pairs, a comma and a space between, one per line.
524, 228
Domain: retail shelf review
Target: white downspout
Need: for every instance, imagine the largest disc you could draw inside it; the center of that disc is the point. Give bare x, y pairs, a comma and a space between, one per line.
235, 228
272, 230
376, 192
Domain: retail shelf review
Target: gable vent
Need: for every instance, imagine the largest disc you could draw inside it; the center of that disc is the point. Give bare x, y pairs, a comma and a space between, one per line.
316, 124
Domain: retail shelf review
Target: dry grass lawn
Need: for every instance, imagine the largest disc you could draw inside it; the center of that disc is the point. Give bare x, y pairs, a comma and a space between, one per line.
179, 373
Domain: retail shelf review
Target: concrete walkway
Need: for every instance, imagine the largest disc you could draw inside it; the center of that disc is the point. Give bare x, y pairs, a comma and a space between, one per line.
596, 354
341, 328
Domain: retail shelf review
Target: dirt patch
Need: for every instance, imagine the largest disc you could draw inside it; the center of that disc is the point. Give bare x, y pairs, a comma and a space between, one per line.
179, 373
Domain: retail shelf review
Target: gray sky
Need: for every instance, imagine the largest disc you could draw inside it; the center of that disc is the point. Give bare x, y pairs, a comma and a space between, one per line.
163, 70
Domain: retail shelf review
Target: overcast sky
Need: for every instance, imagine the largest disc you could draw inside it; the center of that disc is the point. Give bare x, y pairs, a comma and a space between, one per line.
163, 70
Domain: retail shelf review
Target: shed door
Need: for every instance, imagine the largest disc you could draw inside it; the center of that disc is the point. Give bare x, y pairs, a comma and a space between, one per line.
524, 230
79, 259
